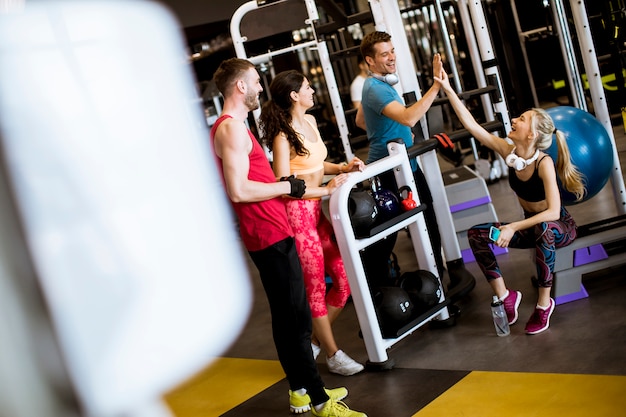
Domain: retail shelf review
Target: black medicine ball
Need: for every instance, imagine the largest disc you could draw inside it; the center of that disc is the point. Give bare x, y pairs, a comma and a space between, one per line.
363, 212
422, 287
394, 308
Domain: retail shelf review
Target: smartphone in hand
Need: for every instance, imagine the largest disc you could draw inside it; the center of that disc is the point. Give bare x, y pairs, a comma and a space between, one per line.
494, 233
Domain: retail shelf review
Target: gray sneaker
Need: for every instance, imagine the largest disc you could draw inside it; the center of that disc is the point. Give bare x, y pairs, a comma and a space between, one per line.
342, 364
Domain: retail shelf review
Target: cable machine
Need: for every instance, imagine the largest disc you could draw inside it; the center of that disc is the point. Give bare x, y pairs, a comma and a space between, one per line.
575, 80
598, 98
239, 41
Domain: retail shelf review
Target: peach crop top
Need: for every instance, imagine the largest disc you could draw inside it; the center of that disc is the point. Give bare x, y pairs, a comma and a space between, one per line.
314, 161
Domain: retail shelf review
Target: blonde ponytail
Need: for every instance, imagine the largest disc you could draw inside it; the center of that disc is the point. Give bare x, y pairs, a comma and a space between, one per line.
571, 178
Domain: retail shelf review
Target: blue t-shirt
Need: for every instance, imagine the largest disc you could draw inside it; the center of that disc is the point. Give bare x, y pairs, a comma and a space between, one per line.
381, 129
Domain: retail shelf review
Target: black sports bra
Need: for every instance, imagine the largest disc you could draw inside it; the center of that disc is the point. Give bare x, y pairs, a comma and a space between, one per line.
531, 190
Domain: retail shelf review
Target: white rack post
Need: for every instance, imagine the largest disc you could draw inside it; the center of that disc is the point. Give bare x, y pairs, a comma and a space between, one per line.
567, 49
600, 108
485, 46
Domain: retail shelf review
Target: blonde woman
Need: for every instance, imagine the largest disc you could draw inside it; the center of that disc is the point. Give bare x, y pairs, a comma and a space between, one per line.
532, 175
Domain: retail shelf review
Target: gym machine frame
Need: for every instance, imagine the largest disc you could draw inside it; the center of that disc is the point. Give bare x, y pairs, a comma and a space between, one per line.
317, 45
596, 241
387, 18
592, 69
350, 247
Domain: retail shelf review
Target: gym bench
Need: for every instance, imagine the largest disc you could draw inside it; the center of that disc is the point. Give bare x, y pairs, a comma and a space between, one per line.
599, 245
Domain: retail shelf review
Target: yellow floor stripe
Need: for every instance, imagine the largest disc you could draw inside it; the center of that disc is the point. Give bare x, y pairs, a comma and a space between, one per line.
512, 394
224, 384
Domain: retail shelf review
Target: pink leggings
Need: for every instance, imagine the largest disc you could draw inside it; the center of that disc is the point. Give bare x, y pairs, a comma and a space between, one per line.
319, 254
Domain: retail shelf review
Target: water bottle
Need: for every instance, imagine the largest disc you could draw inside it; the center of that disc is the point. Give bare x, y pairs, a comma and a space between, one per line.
500, 320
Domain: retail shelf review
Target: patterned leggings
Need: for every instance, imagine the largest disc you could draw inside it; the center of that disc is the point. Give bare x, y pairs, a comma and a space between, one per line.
319, 254
544, 237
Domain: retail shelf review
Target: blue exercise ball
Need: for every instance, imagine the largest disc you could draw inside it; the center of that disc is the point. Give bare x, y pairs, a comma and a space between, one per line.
590, 147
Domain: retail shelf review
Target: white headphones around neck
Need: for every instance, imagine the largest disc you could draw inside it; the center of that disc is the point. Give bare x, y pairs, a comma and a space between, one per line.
391, 79
518, 162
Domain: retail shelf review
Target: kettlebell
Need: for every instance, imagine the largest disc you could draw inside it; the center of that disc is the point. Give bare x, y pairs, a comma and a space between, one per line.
407, 202
386, 200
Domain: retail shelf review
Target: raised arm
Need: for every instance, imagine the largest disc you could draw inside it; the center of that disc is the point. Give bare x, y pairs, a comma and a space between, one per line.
410, 115
489, 140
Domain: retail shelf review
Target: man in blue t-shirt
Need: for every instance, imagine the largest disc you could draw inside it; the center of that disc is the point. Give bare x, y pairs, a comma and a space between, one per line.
382, 113
384, 117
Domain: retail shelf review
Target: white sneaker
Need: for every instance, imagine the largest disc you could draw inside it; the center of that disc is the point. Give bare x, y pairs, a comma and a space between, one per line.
316, 350
342, 364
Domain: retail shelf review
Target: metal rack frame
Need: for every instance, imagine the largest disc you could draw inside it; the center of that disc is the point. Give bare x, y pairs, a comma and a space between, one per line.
349, 246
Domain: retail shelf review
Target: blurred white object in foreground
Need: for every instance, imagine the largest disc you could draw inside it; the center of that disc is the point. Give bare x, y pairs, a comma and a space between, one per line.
118, 209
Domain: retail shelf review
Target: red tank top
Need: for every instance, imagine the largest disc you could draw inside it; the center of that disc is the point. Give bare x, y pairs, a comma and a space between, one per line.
262, 223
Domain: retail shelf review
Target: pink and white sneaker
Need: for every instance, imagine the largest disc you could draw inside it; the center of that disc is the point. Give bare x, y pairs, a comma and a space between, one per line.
540, 320
511, 304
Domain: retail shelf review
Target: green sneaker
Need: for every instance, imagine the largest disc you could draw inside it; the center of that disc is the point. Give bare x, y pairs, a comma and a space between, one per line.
302, 403
336, 409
